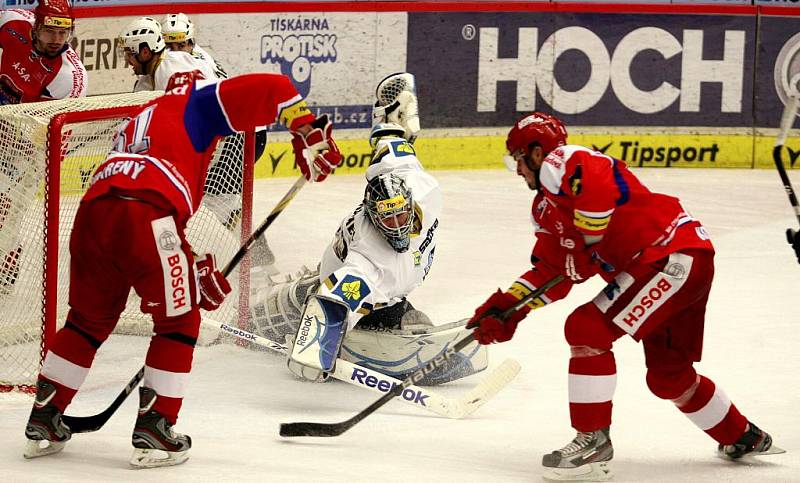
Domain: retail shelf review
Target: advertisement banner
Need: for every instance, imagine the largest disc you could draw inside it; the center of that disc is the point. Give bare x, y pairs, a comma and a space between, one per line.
588, 68
335, 60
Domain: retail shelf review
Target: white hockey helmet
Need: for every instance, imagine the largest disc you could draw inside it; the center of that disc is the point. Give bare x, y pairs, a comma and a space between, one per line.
144, 31
176, 27
397, 103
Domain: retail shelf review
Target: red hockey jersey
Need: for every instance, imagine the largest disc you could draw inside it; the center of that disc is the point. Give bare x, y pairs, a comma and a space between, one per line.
584, 192
162, 155
26, 75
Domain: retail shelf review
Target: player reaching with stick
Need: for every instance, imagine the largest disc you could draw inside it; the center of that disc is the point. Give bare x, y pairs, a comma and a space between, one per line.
129, 233
593, 216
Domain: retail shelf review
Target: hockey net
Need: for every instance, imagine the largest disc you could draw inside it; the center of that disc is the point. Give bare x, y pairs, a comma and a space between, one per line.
48, 152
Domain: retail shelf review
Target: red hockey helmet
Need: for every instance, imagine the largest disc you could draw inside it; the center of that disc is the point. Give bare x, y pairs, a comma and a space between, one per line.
54, 13
536, 127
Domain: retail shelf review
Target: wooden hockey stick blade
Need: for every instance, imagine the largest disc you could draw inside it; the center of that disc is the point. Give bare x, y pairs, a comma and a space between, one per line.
335, 429
489, 387
88, 424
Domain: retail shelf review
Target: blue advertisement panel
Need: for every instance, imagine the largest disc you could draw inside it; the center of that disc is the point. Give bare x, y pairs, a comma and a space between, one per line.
588, 68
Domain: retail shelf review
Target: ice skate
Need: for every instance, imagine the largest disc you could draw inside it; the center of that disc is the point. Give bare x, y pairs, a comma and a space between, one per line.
754, 442
46, 432
586, 458
155, 443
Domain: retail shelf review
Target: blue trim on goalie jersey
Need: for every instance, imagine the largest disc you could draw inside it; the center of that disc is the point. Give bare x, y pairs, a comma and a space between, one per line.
351, 290
204, 117
453, 369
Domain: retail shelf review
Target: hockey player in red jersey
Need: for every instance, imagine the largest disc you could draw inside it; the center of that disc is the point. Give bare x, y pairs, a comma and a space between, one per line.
36, 64
593, 216
129, 233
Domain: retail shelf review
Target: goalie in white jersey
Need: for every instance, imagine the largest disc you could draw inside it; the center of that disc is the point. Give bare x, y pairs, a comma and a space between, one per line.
356, 306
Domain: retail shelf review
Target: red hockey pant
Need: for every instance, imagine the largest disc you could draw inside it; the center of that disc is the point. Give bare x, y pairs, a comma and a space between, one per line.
663, 305
118, 244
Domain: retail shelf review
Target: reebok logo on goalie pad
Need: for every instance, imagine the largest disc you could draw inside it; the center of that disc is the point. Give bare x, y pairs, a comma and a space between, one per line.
360, 375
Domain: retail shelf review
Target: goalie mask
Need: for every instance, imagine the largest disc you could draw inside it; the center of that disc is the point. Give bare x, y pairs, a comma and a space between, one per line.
397, 104
390, 208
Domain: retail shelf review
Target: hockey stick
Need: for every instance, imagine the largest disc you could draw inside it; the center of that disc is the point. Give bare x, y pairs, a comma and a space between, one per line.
787, 120
381, 383
335, 429
88, 424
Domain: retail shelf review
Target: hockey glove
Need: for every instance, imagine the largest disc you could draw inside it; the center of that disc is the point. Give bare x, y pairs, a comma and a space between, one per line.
213, 285
489, 327
580, 262
316, 153
793, 237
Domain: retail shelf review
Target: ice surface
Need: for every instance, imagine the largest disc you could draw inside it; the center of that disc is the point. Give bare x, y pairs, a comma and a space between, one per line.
237, 398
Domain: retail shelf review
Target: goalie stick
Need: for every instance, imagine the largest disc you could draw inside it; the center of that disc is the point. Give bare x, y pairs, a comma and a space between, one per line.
381, 383
787, 120
335, 429
88, 424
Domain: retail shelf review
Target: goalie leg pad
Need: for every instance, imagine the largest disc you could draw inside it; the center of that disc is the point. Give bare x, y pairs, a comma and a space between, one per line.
399, 353
319, 337
275, 309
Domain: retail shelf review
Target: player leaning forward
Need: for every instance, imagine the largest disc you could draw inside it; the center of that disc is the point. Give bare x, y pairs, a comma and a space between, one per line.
129, 233
593, 216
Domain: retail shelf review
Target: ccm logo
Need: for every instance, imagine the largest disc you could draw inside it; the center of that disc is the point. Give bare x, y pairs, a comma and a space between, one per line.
177, 278
640, 310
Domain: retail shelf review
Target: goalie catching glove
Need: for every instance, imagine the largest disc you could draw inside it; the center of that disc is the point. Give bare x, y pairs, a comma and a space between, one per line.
213, 284
316, 153
489, 326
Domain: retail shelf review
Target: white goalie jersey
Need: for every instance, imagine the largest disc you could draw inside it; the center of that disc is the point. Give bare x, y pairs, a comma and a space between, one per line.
359, 268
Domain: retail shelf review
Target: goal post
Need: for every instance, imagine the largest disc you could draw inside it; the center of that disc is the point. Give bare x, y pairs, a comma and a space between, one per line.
48, 152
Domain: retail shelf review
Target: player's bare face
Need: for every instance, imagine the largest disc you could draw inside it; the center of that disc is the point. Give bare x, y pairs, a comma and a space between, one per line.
50, 40
180, 47
524, 162
133, 61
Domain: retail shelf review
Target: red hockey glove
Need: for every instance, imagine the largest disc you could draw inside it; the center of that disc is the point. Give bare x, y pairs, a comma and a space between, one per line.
316, 153
489, 328
580, 262
213, 285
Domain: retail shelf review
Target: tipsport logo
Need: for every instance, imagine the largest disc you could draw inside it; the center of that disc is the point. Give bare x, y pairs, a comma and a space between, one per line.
296, 45
787, 69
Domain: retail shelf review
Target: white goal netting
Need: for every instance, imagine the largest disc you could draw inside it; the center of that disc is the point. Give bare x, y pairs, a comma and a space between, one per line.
34, 256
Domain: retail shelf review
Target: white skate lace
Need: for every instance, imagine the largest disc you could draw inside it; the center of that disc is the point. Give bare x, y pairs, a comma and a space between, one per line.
581, 441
